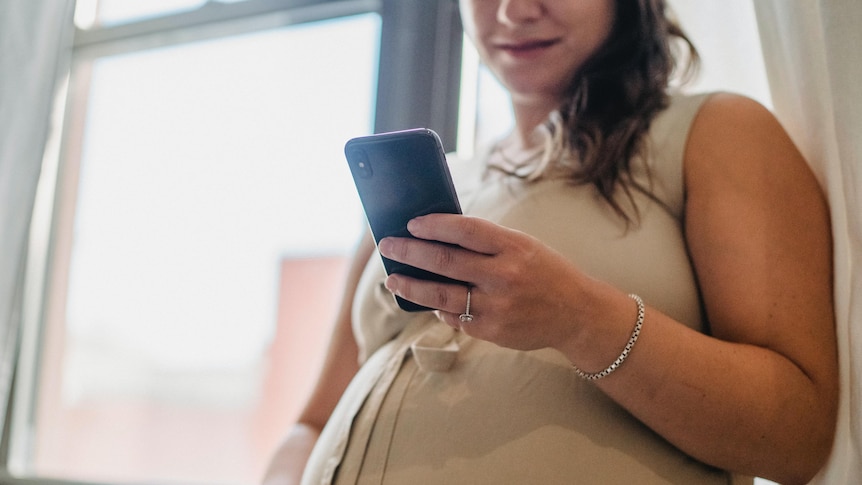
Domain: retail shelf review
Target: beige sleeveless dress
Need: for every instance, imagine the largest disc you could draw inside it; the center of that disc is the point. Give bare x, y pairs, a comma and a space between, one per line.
434, 406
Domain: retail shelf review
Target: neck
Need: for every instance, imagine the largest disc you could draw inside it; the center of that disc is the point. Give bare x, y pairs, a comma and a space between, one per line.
529, 114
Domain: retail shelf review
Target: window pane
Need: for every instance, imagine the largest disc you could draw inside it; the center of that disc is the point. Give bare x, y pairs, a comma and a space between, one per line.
213, 202
113, 12
485, 113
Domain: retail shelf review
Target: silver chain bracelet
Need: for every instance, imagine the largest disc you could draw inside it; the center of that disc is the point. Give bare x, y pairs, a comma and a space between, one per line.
625, 353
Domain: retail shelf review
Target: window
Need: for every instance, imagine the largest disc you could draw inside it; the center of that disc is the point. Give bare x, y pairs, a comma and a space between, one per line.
202, 220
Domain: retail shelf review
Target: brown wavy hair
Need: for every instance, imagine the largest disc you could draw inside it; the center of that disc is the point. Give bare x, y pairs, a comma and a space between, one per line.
613, 98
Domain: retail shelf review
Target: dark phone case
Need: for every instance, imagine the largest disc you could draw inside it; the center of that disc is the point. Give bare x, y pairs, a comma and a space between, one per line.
401, 175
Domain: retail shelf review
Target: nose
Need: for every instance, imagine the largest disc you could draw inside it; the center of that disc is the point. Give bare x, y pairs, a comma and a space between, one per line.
515, 12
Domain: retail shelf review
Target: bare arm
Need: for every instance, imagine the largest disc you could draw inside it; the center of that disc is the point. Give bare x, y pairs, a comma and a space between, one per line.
288, 462
759, 395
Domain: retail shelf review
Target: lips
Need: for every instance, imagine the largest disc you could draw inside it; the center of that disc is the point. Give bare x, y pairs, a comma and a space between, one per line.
528, 47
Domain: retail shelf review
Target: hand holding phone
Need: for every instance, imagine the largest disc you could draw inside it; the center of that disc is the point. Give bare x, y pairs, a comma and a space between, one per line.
399, 176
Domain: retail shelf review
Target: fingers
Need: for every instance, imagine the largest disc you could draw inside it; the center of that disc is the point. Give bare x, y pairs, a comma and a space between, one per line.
471, 244
488, 257
449, 299
450, 261
470, 233
461, 258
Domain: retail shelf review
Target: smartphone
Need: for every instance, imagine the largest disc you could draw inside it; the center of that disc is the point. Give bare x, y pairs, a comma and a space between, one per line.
401, 175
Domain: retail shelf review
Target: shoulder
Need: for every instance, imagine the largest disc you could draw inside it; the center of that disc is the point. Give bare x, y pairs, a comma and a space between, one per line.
673, 123
726, 117
736, 142
712, 110
726, 120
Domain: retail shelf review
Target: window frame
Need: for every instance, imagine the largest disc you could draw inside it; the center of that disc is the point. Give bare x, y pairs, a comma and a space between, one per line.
418, 85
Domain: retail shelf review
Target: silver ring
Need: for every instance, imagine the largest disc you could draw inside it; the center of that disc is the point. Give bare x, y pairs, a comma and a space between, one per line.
466, 317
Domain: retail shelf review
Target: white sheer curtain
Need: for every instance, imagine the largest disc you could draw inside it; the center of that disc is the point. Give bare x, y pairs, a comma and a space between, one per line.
814, 65
34, 37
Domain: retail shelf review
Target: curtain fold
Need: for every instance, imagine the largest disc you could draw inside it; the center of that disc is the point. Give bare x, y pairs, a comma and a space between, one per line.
35, 40
811, 50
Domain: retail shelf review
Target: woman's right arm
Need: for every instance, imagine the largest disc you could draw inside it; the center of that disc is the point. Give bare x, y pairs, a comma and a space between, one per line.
341, 364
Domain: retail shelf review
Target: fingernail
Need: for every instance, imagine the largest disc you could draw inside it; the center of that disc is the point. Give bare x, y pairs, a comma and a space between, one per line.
390, 284
384, 246
414, 224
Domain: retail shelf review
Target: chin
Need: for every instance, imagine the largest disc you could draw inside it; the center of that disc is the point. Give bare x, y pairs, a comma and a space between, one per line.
527, 85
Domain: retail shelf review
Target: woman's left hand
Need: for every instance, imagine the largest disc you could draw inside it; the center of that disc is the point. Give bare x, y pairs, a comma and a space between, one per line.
521, 290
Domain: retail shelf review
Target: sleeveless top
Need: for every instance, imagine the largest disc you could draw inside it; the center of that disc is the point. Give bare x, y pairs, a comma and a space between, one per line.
430, 405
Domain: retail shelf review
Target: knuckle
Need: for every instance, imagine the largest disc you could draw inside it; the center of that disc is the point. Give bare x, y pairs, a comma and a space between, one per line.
400, 250
469, 226
440, 298
444, 258
509, 274
405, 290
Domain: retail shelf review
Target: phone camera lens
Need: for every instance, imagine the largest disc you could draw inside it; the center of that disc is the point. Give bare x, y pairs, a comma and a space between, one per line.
361, 164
